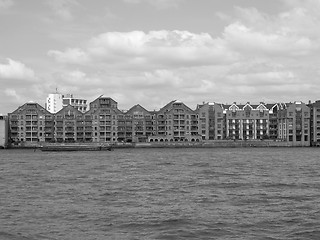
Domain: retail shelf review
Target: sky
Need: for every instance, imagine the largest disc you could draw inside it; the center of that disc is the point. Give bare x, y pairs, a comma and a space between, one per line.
150, 52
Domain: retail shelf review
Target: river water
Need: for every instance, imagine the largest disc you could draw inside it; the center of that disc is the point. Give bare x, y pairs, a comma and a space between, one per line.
249, 193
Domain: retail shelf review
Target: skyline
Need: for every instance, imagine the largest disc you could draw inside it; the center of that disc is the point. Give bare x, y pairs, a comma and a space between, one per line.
151, 52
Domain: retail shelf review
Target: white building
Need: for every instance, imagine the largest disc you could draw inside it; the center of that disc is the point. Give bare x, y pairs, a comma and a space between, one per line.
78, 103
3, 131
54, 102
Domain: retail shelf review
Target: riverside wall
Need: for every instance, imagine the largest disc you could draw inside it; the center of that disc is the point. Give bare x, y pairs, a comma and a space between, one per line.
203, 144
219, 144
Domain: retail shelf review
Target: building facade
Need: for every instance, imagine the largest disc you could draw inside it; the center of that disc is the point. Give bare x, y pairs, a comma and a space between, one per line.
3, 131
31, 123
247, 122
273, 120
54, 102
314, 123
294, 123
211, 121
175, 122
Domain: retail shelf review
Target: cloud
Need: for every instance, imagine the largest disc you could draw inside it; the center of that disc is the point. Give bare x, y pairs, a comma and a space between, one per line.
248, 41
16, 70
290, 33
78, 78
9, 92
62, 8
257, 57
160, 4
155, 49
71, 55
6, 4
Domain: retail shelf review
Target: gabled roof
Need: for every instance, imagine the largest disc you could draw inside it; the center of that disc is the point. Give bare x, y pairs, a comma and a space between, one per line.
29, 104
68, 108
233, 106
166, 106
261, 106
271, 105
247, 105
169, 106
137, 107
101, 97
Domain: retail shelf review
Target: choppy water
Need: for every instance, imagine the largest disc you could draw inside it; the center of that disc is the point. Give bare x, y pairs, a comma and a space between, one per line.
160, 194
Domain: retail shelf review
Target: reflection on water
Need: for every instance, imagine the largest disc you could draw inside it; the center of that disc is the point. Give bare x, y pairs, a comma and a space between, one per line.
270, 193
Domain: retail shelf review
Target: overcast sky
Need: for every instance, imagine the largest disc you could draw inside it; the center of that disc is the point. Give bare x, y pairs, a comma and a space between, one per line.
150, 52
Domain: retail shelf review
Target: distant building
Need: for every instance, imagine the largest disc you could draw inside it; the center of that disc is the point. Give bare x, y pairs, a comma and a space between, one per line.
211, 121
103, 118
3, 131
54, 102
30, 124
314, 123
247, 122
69, 126
294, 123
78, 103
175, 122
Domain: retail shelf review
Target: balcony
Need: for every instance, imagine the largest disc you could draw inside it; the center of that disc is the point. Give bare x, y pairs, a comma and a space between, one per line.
48, 129
48, 123
59, 123
14, 131
14, 123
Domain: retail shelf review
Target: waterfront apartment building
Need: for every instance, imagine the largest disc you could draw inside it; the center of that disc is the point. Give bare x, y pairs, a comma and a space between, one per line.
211, 121
247, 122
175, 122
3, 131
238, 121
294, 123
251, 121
314, 123
31, 123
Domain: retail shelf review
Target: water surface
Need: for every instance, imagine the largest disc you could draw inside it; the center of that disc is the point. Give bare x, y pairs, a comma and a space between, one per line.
249, 193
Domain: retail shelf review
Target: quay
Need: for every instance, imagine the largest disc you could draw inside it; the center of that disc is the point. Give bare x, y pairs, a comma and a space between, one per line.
108, 147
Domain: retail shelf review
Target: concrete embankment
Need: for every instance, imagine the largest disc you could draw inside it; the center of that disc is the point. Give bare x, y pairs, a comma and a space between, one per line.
218, 144
203, 144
